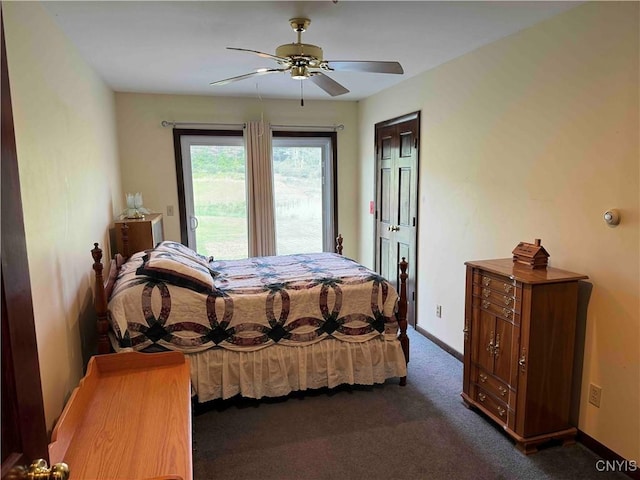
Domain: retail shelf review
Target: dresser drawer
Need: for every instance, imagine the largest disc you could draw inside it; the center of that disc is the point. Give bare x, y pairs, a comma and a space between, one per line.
500, 284
498, 409
498, 298
497, 309
491, 384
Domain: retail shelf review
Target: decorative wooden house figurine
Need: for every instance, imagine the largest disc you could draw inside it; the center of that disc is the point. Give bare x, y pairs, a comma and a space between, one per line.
532, 255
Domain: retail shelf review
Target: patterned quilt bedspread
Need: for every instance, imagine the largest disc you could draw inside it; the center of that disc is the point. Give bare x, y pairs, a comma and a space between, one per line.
253, 303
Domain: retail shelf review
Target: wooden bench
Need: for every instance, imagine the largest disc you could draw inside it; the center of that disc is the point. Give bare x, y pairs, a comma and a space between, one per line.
129, 418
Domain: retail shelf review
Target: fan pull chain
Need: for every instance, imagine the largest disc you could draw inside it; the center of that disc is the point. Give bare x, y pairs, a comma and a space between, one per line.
301, 97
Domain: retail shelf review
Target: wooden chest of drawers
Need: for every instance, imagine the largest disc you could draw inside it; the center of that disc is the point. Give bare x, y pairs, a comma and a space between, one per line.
143, 233
518, 352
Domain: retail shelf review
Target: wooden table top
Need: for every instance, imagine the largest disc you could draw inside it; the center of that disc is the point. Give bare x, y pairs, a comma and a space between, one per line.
515, 271
130, 418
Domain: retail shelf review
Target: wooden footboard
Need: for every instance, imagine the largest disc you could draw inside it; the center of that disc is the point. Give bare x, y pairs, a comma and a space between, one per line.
402, 305
103, 292
402, 314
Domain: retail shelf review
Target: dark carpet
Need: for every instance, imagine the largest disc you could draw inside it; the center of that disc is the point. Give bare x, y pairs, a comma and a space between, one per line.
421, 431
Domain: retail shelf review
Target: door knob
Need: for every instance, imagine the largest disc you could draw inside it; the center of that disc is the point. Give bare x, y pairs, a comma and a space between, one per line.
39, 470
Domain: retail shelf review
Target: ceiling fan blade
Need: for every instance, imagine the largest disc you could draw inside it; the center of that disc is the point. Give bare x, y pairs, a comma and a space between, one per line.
248, 75
329, 85
364, 66
260, 54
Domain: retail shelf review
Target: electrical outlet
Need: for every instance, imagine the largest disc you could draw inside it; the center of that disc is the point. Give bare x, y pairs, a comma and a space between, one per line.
439, 311
595, 394
169, 210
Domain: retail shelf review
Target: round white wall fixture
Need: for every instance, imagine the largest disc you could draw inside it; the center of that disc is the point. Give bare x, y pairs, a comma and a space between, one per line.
612, 217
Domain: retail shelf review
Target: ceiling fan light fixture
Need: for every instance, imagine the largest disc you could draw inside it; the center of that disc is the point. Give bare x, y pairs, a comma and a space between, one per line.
299, 73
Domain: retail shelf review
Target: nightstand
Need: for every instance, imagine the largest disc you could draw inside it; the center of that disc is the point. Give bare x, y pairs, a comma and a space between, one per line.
143, 233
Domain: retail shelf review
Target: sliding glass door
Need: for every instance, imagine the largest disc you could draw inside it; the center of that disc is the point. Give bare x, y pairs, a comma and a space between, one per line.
303, 193
212, 188
215, 195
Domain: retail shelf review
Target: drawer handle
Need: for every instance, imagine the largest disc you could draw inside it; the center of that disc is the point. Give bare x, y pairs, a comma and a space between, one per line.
496, 347
486, 292
501, 411
502, 390
483, 378
507, 313
482, 397
486, 281
508, 300
508, 288
485, 303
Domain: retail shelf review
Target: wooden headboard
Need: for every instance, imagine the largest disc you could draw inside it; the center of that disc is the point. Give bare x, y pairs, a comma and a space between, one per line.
102, 293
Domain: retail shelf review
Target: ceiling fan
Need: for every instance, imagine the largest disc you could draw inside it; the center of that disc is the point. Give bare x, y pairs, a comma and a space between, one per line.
303, 60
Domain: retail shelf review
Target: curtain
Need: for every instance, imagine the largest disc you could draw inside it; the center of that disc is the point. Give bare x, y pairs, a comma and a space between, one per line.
261, 213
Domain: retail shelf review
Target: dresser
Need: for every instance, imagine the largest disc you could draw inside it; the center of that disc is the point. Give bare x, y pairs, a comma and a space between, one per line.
143, 233
519, 335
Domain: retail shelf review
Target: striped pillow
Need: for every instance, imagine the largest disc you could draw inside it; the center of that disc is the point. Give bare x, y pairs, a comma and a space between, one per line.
178, 270
180, 249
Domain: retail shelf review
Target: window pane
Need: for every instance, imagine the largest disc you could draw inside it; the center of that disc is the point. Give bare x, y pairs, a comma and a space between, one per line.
220, 200
297, 185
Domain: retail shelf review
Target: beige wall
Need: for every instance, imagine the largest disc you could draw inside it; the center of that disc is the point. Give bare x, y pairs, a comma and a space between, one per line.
69, 176
534, 136
147, 156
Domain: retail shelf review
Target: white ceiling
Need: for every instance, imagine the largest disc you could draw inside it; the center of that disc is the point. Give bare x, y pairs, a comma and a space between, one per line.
178, 47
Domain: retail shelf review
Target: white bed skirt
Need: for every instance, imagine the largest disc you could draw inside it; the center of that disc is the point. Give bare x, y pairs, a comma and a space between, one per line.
279, 370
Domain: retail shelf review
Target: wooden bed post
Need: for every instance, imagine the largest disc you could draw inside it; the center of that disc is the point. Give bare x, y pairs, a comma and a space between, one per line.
402, 314
339, 244
100, 302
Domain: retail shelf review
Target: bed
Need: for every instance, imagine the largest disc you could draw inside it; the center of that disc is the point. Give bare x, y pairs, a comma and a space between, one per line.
256, 327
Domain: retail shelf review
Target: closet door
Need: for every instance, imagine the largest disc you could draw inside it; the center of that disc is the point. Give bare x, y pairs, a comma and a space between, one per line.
396, 201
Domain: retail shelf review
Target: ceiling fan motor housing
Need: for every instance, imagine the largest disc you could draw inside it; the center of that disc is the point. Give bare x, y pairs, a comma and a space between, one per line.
313, 53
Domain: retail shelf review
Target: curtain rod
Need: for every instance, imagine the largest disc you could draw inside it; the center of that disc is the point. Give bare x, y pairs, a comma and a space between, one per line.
167, 123
319, 127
